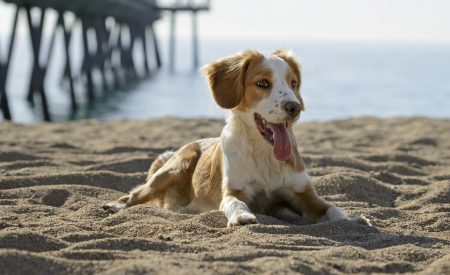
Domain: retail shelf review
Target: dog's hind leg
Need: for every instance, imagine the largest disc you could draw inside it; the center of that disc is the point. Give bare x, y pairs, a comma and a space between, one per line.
139, 192
159, 162
163, 174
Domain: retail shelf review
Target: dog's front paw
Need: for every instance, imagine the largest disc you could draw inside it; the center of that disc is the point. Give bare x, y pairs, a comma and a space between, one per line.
362, 220
242, 219
114, 207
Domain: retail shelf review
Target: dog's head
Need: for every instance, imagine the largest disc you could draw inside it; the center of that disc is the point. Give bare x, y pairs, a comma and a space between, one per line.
267, 87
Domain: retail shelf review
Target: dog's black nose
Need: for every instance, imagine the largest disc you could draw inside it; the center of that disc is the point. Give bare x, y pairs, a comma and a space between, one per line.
292, 108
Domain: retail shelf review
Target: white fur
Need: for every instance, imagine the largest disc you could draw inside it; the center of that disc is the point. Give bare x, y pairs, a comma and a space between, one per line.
237, 212
249, 163
298, 181
334, 214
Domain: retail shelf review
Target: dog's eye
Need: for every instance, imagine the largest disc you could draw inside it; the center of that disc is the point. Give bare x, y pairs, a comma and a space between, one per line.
263, 84
293, 84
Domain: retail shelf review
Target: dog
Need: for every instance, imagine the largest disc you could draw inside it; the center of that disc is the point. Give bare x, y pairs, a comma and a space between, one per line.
254, 166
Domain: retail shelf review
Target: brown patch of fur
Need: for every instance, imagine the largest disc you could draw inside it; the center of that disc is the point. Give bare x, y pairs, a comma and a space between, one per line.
295, 161
157, 163
227, 77
308, 203
207, 179
254, 94
170, 184
189, 178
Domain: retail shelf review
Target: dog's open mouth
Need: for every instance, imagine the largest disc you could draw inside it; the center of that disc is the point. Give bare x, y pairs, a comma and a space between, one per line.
277, 135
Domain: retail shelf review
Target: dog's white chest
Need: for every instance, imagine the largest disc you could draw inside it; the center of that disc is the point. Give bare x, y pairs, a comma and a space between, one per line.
263, 178
250, 166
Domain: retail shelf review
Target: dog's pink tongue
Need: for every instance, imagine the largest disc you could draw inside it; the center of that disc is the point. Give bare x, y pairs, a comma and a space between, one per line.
282, 142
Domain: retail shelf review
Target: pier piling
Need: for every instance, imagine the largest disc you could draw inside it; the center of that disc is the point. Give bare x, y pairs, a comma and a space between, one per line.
67, 33
4, 68
129, 21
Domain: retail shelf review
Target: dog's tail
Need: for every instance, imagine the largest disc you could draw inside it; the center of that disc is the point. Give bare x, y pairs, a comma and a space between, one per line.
159, 162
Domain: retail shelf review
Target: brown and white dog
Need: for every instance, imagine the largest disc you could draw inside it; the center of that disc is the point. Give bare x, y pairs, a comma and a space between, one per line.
254, 166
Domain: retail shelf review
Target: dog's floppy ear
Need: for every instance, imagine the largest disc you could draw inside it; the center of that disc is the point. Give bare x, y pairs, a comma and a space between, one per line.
295, 67
227, 78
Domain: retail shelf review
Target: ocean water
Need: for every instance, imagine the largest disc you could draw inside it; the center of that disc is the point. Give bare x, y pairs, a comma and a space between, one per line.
340, 80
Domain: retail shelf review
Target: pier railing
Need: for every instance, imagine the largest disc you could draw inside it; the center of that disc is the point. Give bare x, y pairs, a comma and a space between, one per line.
109, 30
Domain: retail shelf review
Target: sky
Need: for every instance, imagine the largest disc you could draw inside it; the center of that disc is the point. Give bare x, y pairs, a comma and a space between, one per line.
379, 20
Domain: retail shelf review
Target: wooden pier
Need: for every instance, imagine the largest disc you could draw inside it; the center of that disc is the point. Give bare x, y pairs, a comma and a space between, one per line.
188, 6
109, 51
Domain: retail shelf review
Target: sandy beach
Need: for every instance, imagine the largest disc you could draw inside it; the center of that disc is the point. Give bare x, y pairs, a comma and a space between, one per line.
54, 178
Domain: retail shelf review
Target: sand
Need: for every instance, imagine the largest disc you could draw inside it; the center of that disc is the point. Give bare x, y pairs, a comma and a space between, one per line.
54, 179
